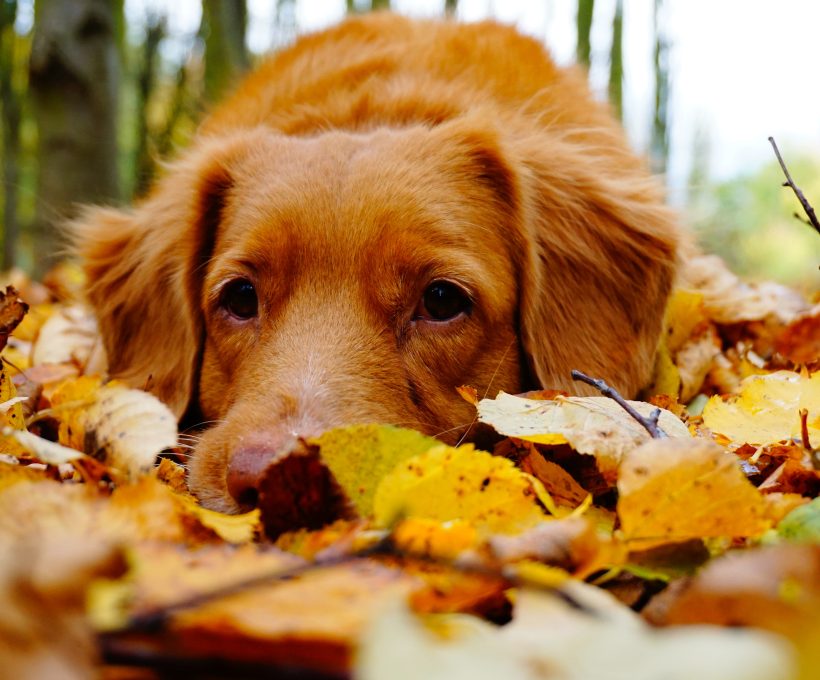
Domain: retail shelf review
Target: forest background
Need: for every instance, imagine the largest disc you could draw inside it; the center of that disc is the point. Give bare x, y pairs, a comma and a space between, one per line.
93, 93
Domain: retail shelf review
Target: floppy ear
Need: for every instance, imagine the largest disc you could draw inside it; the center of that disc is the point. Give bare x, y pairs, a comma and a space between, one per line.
600, 260
144, 270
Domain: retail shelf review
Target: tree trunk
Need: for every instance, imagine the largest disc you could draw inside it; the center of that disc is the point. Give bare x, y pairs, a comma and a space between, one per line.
11, 110
226, 57
584, 26
659, 147
380, 4
616, 61
74, 74
450, 7
145, 163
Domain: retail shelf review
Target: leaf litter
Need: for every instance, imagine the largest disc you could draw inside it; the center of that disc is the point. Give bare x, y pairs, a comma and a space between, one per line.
379, 552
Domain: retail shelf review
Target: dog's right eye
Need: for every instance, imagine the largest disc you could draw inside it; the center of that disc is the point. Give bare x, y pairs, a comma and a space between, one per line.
239, 299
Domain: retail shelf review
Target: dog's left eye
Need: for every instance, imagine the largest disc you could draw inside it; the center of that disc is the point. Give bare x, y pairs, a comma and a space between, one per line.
239, 299
442, 301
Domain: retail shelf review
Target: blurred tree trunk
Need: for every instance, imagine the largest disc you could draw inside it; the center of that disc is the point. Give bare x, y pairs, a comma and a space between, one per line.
380, 4
226, 57
584, 26
74, 74
616, 61
10, 101
659, 146
146, 84
450, 7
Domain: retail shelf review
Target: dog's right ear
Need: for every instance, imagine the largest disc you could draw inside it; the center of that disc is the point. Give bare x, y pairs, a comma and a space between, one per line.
144, 270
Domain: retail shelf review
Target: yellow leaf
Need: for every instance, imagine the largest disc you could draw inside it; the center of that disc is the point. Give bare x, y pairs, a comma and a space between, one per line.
11, 413
593, 425
443, 540
231, 528
446, 484
767, 409
665, 377
359, 456
676, 490
684, 312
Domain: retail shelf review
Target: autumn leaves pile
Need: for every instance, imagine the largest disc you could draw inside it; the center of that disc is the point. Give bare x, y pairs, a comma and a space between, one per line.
379, 552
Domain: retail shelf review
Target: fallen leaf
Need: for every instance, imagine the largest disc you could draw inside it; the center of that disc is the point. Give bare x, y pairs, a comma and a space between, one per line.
359, 456
43, 450
593, 425
767, 409
726, 299
799, 342
776, 588
447, 484
312, 621
125, 428
70, 335
674, 490
12, 311
802, 525
584, 634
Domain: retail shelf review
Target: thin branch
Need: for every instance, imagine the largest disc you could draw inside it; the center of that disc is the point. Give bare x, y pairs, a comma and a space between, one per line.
807, 207
650, 424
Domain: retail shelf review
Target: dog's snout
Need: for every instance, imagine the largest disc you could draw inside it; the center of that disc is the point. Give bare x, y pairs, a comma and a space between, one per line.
247, 467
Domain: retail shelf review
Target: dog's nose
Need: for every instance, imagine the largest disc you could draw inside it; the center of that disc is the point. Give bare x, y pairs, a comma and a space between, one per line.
246, 470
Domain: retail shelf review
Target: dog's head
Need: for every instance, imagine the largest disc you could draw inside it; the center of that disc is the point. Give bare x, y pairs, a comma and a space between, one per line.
281, 286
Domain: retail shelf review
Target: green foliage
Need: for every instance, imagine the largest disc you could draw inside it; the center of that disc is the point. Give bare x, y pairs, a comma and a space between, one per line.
750, 222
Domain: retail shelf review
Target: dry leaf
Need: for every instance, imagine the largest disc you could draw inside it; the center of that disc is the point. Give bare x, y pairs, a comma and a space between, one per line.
12, 311
593, 425
799, 342
446, 484
70, 335
677, 490
767, 409
585, 634
125, 428
776, 588
726, 299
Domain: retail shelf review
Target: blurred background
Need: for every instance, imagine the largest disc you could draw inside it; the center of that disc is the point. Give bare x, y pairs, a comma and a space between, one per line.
94, 92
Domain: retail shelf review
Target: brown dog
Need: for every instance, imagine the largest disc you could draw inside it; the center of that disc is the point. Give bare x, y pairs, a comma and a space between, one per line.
384, 212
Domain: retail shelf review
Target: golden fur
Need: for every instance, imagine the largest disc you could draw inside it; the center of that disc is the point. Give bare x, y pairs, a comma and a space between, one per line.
342, 177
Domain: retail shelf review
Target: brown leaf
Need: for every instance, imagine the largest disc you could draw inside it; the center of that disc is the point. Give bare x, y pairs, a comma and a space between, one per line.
799, 342
12, 311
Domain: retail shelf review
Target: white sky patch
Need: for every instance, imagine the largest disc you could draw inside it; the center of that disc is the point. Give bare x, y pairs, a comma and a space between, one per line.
741, 69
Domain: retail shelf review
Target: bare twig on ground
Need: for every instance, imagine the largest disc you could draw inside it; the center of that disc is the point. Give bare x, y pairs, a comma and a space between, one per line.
650, 424
807, 207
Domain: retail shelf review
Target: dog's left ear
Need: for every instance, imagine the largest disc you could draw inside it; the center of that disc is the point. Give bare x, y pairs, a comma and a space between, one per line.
601, 259
594, 244
144, 270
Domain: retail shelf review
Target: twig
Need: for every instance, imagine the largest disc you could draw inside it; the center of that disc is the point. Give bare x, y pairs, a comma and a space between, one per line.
650, 424
807, 207
804, 428
155, 621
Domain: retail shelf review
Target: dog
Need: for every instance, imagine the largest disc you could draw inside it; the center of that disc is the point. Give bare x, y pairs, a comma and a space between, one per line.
379, 214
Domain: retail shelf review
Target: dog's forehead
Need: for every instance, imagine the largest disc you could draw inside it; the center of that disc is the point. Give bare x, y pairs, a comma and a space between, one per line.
344, 195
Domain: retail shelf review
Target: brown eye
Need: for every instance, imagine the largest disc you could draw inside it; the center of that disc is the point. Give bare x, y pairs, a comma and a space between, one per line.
443, 301
239, 299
